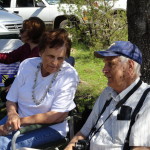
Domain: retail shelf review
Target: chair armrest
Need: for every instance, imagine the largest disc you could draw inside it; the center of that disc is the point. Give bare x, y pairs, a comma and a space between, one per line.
31, 128
24, 130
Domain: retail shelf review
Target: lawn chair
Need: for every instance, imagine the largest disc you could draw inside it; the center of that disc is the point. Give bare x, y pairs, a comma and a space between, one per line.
8, 70
59, 145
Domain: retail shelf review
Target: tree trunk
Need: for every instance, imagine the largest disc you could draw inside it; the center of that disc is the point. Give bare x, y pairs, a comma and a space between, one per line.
138, 16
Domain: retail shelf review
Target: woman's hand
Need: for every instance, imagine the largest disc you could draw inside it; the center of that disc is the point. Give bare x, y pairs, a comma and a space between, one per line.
13, 122
3, 130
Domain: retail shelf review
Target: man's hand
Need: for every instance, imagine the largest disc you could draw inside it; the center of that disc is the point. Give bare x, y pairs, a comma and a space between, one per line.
78, 136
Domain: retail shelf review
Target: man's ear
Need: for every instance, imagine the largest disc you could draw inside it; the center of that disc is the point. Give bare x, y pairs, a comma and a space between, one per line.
131, 64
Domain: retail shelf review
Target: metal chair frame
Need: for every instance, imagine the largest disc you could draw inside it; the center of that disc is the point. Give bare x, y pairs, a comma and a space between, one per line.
57, 145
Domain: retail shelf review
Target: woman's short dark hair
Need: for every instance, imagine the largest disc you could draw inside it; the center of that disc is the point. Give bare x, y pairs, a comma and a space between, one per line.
35, 28
55, 39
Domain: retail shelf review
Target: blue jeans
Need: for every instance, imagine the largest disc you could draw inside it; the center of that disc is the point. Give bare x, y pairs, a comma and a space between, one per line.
31, 139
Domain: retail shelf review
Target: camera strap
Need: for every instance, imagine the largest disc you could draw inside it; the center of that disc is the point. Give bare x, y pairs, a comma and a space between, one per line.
119, 104
136, 110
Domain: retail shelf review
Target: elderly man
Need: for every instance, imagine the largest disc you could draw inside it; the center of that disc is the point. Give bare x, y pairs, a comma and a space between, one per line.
108, 124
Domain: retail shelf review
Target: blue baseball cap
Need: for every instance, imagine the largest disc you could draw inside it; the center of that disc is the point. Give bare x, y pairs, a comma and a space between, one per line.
121, 48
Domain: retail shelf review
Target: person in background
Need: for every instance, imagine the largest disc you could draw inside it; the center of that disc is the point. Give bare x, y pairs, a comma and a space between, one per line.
30, 34
42, 93
107, 126
7, 84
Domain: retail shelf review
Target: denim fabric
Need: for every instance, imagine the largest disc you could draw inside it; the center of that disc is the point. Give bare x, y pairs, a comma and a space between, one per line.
31, 139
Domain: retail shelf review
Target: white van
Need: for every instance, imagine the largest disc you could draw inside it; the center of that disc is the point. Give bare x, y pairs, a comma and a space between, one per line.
47, 10
10, 24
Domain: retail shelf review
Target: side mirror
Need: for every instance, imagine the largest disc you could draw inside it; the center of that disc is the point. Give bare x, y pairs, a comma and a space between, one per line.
40, 4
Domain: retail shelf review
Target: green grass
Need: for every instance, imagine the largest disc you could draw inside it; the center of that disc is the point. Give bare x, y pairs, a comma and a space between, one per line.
92, 80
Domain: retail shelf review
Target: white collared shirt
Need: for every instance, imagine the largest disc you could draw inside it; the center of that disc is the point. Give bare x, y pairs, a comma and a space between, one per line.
112, 134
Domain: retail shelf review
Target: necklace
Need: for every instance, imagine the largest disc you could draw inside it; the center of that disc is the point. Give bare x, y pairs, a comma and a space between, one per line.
38, 102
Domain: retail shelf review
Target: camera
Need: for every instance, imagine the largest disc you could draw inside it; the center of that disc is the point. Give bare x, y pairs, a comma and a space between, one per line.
82, 145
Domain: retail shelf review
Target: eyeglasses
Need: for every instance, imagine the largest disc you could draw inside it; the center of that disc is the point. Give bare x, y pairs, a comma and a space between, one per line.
23, 30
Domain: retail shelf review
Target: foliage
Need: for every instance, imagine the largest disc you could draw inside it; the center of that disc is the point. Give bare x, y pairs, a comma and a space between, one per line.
100, 25
92, 80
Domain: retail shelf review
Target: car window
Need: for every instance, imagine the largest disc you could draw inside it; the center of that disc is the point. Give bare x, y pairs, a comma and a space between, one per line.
25, 3
5, 3
53, 1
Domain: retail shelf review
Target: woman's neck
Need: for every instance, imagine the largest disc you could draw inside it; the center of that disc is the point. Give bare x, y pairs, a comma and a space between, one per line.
44, 72
32, 45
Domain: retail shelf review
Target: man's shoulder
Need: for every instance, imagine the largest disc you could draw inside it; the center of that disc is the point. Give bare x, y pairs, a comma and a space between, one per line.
145, 89
145, 85
108, 90
106, 94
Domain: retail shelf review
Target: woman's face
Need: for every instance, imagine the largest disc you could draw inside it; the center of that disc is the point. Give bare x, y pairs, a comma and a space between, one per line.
24, 35
52, 59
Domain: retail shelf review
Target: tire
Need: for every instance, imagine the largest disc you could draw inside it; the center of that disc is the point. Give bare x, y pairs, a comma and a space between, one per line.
66, 24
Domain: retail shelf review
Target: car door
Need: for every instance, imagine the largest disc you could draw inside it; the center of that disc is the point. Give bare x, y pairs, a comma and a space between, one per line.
25, 8
28, 8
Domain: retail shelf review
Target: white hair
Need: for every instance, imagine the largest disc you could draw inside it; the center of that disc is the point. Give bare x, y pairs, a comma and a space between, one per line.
137, 66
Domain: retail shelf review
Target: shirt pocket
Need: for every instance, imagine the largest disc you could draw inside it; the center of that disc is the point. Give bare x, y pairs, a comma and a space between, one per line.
119, 133
125, 113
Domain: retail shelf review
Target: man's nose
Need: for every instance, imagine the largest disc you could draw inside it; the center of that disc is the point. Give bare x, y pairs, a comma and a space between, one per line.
105, 69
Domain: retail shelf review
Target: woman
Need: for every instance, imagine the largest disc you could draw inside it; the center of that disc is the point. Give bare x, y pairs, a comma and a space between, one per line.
30, 34
42, 93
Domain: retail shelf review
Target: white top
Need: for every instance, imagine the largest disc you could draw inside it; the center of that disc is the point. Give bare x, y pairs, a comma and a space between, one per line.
59, 98
142, 125
113, 133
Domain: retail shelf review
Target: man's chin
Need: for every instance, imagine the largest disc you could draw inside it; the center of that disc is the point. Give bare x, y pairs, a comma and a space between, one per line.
109, 84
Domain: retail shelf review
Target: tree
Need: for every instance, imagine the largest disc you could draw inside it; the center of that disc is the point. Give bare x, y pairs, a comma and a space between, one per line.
138, 17
101, 23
